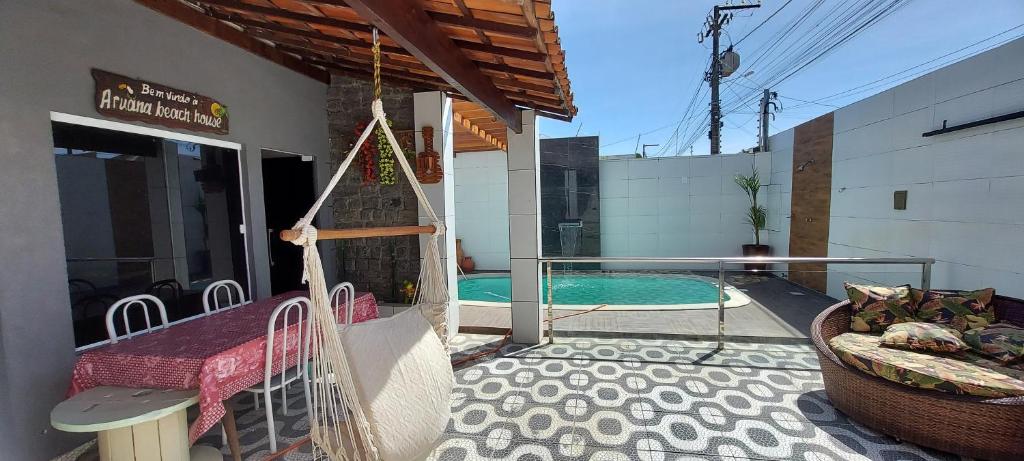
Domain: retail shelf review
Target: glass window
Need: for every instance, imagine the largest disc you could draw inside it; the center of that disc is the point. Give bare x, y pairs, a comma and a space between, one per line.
145, 215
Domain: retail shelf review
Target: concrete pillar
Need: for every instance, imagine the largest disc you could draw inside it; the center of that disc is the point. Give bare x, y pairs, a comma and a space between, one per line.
434, 109
524, 230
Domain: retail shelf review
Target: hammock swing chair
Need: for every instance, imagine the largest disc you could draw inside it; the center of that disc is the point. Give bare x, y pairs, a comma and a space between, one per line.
377, 390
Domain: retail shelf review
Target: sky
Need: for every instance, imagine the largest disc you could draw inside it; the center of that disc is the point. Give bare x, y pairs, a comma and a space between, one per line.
636, 64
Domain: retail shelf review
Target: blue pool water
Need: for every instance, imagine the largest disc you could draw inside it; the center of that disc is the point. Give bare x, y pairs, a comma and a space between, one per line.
587, 289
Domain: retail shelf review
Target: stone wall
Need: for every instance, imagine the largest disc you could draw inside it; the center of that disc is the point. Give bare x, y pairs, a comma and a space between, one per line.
378, 265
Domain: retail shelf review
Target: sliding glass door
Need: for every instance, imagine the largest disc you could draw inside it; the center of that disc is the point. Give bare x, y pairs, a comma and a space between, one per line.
143, 214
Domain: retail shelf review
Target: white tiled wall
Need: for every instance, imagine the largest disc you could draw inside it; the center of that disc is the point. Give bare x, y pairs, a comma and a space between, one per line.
481, 208
779, 194
678, 206
965, 203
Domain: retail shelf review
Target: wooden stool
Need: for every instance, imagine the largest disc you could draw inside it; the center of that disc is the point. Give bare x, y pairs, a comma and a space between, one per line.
133, 423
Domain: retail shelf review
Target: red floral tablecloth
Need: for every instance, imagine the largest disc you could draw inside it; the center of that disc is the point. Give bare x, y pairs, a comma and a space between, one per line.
221, 355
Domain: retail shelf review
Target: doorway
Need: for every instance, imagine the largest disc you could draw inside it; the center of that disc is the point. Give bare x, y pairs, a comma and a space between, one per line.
288, 191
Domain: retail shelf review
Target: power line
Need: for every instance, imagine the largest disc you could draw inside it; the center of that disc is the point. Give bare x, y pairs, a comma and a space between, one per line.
895, 5
641, 134
838, 31
894, 74
762, 23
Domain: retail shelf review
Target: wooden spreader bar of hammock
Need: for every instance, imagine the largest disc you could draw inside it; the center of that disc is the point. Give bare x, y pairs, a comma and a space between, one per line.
338, 234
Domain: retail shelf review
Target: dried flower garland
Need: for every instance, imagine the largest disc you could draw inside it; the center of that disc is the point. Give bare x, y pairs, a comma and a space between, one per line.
367, 157
385, 158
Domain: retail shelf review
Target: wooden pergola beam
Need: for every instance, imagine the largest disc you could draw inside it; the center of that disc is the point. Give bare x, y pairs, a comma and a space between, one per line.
218, 29
475, 129
406, 23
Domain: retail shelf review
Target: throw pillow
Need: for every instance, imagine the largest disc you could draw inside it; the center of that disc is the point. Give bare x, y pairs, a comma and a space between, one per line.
1001, 341
874, 308
921, 336
963, 310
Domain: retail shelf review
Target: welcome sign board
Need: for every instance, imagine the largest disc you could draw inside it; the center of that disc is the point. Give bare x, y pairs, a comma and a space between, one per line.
132, 99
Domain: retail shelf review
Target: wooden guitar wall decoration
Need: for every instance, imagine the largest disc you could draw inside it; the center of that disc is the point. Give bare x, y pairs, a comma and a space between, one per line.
428, 162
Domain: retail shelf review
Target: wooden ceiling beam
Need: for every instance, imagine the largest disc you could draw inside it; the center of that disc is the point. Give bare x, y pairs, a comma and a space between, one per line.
361, 73
303, 32
398, 73
504, 68
521, 85
341, 24
500, 50
282, 13
406, 23
213, 27
353, 53
530, 13
502, 28
496, 27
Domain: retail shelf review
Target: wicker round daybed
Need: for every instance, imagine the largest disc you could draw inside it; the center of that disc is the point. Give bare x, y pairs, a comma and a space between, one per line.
975, 427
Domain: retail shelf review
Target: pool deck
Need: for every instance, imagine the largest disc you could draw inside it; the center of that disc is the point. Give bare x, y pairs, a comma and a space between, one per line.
779, 309
622, 399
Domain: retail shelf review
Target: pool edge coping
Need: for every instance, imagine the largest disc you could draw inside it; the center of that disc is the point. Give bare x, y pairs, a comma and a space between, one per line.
737, 298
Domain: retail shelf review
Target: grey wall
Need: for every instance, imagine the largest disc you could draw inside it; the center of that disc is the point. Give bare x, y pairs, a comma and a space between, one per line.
46, 50
378, 265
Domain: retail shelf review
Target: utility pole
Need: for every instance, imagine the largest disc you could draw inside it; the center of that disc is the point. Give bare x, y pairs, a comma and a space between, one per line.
769, 103
713, 28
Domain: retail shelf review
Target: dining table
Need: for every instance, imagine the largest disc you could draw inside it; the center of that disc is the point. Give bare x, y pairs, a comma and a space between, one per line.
220, 354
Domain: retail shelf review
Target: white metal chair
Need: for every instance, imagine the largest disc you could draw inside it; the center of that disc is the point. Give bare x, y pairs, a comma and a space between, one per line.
301, 306
124, 305
343, 293
212, 296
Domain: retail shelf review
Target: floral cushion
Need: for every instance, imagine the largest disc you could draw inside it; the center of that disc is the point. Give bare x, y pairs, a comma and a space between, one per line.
962, 310
1002, 341
874, 308
971, 374
922, 336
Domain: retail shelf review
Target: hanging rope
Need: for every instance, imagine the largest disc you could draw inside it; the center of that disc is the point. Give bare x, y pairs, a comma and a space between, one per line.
376, 64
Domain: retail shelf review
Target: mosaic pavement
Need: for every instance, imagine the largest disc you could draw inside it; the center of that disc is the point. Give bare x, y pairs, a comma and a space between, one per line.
625, 399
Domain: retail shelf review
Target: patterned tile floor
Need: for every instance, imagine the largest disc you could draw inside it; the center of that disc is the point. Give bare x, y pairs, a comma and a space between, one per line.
629, 399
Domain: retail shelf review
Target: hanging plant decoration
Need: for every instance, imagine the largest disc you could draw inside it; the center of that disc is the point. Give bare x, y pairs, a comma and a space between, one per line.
385, 158
367, 157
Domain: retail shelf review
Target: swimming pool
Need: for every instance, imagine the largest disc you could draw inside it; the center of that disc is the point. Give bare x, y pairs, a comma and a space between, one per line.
620, 291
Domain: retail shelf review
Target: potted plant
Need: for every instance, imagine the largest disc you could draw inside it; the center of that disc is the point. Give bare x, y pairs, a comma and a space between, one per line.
757, 217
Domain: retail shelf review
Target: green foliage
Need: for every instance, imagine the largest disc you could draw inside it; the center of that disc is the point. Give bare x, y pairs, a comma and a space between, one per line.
386, 158
757, 215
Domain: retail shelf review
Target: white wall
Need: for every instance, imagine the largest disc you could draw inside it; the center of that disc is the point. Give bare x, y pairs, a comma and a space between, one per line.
965, 205
779, 195
481, 208
677, 206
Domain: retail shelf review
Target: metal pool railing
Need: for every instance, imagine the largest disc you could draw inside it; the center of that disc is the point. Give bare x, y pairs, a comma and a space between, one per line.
925, 263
